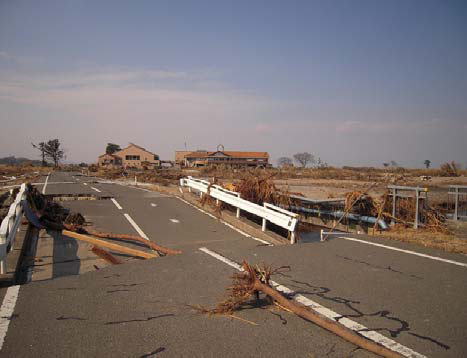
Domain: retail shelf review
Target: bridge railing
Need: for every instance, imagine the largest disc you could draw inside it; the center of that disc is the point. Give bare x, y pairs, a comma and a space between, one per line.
9, 226
268, 212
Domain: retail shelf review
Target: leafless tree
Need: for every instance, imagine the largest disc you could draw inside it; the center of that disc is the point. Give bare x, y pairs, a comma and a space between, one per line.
284, 162
304, 159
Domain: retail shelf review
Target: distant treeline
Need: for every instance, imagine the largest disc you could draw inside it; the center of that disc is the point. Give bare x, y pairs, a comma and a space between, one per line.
12, 160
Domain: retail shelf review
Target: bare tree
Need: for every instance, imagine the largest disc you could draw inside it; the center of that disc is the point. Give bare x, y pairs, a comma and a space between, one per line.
304, 159
41, 148
53, 151
284, 162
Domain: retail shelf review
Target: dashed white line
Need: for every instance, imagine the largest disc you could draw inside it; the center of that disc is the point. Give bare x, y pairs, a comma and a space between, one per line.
45, 184
406, 251
175, 221
355, 326
116, 203
227, 224
136, 227
85, 184
95, 189
6, 311
153, 205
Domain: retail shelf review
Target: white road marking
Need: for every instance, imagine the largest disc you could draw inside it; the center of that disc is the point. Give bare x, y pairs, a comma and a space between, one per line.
45, 184
136, 227
6, 311
95, 189
85, 183
116, 203
406, 251
175, 220
227, 224
355, 326
153, 205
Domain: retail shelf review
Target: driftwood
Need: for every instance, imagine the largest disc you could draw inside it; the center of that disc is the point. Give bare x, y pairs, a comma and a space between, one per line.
112, 236
114, 247
256, 279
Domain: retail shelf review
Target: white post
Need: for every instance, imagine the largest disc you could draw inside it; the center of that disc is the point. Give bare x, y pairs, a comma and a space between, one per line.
238, 209
292, 238
456, 204
136, 183
417, 198
264, 225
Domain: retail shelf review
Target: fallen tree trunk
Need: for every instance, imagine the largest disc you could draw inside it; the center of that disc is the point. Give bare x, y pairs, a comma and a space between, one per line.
256, 279
109, 235
333, 326
114, 247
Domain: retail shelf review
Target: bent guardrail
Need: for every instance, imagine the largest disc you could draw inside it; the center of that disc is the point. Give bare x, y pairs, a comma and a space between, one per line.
268, 212
10, 225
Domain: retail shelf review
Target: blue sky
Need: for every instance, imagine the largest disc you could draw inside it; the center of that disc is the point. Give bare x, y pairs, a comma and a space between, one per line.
354, 82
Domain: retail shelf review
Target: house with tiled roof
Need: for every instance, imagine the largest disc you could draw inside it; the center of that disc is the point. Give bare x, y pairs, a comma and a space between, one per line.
132, 156
229, 158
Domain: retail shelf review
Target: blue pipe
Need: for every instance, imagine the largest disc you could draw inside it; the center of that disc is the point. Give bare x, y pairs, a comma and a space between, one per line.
339, 214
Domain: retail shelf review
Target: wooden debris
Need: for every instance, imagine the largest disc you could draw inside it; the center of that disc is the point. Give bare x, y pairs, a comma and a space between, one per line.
114, 247
253, 280
113, 236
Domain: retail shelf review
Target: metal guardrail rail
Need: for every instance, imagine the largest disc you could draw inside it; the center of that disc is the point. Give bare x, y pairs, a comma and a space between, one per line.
274, 214
9, 226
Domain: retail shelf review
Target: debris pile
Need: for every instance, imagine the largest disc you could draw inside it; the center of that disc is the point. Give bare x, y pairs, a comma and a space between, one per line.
261, 189
50, 215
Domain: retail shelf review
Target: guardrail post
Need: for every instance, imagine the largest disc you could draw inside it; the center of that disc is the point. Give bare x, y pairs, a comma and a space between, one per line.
292, 237
417, 200
238, 209
456, 204
263, 228
394, 193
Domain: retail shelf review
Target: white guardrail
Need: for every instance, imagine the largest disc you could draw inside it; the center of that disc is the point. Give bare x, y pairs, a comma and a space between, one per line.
10, 225
268, 212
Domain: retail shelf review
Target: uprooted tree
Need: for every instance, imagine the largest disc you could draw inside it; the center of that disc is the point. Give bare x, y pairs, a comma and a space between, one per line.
304, 159
112, 148
255, 279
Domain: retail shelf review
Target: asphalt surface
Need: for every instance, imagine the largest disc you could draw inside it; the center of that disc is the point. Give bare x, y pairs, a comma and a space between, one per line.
147, 308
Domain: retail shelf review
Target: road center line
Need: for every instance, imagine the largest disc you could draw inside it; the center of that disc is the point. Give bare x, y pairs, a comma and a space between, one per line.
85, 183
45, 184
95, 189
406, 251
116, 203
227, 224
355, 326
6, 311
136, 227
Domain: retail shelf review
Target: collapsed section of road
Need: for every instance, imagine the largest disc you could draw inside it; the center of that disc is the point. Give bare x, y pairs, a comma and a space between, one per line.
44, 214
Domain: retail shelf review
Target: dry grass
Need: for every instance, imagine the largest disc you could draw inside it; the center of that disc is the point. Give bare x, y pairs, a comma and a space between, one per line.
435, 240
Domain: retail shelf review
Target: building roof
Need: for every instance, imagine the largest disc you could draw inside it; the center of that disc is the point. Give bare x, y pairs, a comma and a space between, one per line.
137, 146
234, 154
109, 155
